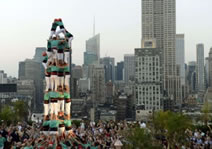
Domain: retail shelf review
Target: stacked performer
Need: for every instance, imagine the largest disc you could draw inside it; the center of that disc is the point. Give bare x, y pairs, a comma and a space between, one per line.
57, 101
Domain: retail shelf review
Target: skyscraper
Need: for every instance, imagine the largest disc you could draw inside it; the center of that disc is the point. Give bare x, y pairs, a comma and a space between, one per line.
207, 72
26, 89
30, 70
90, 58
210, 68
97, 76
191, 77
39, 58
3, 77
180, 56
109, 66
38, 54
148, 82
129, 67
120, 71
92, 54
200, 68
159, 25
76, 75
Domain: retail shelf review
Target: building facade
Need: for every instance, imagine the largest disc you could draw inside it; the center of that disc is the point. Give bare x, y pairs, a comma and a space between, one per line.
84, 85
3, 77
122, 106
109, 92
210, 68
109, 66
129, 67
159, 24
119, 71
31, 70
90, 58
12, 92
26, 89
148, 81
92, 54
207, 72
97, 78
200, 68
77, 73
180, 56
191, 77
38, 54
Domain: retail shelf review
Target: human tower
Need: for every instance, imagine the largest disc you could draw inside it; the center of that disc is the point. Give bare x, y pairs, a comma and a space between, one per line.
57, 101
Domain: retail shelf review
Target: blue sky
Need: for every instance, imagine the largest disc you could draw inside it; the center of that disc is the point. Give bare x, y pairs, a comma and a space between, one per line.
25, 24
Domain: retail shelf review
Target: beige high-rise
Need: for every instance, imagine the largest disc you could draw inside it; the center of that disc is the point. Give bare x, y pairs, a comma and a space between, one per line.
200, 68
210, 68
159, 24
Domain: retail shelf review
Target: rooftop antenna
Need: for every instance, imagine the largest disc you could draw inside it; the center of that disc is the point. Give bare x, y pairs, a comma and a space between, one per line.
94, 26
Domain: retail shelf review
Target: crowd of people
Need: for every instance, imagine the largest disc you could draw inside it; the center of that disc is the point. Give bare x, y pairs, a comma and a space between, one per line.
199, 139
86, 136
193, 140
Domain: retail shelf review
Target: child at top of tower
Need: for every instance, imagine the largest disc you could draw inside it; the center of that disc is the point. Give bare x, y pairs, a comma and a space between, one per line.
53, 29
60, 23
55, 24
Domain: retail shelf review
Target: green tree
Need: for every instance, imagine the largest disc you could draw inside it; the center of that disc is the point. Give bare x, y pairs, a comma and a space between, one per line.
21, 110
173, 126
206, 113
137, 138
7, 115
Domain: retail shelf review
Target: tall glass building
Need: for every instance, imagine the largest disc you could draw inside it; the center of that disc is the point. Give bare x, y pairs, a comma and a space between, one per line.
92, 54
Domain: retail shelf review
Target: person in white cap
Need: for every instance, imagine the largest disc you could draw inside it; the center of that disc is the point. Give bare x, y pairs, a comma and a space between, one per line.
118, 144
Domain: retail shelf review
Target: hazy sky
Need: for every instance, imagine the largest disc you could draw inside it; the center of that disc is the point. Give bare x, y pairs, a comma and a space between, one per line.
25, 24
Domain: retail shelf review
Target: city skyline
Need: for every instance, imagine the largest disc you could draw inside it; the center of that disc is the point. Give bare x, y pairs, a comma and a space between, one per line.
21, 35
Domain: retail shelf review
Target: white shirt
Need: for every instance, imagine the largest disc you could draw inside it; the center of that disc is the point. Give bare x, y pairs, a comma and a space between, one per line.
118, 143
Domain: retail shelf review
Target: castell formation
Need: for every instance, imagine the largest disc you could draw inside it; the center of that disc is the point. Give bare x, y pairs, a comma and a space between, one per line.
56, 61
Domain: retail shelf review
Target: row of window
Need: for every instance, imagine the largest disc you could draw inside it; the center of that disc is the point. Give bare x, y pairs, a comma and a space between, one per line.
148, 63
148, 102
150, 58
149, 73
150, 108
148, 93
147, 70
148, 79
148, 96
154, 87
149, 99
